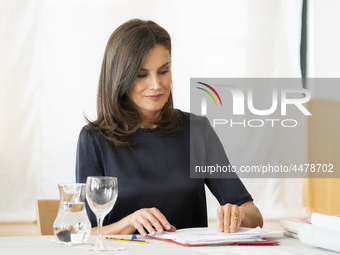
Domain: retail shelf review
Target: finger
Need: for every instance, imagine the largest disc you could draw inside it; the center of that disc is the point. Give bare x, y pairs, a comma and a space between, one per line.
241, 216
234, 218
219, 216
238, 225
146, 224
161, 218
172, 229
140, 229
226, 218
155, 223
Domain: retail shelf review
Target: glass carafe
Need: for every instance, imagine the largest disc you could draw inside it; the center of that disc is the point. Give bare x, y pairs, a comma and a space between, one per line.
72, 224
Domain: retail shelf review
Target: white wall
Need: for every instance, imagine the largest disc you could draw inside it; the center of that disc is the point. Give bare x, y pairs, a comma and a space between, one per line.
51, 53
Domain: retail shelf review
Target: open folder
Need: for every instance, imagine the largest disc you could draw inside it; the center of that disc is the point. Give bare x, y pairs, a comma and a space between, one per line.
212, 236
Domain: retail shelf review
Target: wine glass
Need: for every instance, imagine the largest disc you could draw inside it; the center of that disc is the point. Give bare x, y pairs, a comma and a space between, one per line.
101, 195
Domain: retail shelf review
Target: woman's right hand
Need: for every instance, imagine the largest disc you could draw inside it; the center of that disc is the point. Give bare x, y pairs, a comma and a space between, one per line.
149, 218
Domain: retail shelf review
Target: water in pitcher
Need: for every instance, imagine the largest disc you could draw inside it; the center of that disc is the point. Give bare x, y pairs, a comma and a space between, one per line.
72, 224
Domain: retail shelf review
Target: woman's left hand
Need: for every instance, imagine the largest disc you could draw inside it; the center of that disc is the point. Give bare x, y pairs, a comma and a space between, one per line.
229, 217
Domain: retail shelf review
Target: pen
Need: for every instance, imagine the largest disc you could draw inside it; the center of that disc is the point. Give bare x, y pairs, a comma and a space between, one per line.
125, 240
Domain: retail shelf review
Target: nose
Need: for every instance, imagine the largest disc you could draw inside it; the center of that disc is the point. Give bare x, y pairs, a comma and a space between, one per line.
155, 83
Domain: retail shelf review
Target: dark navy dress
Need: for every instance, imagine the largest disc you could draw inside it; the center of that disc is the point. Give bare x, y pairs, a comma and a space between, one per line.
156, 173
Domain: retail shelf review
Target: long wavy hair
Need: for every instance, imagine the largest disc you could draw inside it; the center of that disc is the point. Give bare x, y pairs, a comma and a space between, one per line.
117, 120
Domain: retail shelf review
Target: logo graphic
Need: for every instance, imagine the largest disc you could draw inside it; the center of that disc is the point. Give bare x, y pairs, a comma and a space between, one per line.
239, 99
269, 106
212, 89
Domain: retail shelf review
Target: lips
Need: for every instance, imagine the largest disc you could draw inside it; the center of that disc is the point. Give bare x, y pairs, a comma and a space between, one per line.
154, 97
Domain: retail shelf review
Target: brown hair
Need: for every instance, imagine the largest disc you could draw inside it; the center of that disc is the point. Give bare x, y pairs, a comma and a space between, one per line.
125, 51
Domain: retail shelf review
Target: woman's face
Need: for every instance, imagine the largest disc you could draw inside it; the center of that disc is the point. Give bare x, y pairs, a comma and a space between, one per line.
151, 89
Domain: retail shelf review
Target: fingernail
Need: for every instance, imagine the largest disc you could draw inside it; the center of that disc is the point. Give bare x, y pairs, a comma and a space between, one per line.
168, 226
221, 229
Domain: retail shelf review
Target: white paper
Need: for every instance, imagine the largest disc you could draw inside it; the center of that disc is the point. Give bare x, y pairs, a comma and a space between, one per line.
212, 235
326, 221
320, 237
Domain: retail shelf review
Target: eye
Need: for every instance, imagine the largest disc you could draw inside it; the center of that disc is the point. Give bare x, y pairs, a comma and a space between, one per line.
164, 72
141, 75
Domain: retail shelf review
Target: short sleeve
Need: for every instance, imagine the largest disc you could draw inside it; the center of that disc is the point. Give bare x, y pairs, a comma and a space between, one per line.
229, 189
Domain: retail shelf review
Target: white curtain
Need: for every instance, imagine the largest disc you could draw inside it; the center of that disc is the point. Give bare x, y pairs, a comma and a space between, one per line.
50, 58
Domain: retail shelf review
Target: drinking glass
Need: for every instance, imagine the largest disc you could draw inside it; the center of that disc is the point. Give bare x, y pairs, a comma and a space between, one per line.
101, 195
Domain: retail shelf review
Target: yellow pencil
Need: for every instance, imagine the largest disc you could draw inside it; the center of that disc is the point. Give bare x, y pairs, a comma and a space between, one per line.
124, 240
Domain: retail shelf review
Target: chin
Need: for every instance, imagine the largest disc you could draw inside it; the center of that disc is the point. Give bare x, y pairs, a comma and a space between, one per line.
155, 109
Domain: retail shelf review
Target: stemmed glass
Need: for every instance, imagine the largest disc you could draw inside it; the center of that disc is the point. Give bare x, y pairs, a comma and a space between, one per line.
101, 195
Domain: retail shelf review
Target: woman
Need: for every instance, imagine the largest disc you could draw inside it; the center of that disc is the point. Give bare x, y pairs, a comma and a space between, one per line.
139, 138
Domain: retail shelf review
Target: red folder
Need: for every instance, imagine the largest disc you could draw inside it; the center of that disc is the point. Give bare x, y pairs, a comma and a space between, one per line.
267, 242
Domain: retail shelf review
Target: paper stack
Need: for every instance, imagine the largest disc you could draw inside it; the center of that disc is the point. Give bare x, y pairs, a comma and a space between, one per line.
208, 236
293, 225
319, 230
327, 221
324, 232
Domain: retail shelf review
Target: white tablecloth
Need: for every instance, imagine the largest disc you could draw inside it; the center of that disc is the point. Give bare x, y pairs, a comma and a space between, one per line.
39, 245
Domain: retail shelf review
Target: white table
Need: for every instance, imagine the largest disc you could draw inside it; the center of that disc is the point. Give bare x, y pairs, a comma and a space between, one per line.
36, 245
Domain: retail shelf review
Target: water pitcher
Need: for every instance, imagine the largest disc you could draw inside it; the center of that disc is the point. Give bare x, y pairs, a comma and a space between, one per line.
72, 224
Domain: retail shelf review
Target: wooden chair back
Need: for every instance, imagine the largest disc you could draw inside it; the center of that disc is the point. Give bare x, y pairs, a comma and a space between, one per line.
46, 211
